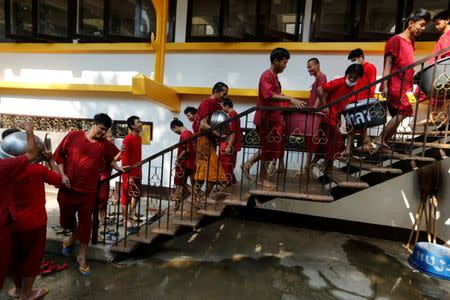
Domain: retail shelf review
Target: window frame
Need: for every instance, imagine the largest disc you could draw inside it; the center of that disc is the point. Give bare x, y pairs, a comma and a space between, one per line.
261, 27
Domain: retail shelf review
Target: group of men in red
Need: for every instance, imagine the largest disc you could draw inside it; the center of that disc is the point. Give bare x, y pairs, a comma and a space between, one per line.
76, 166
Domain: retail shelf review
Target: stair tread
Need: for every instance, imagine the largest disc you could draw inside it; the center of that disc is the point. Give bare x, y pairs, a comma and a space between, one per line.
291, 195
343, 179
400, 156
124, 246
237, 200
361, 164
142, 237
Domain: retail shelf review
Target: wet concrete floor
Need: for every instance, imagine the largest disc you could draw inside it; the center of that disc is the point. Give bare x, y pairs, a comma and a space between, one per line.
235, 258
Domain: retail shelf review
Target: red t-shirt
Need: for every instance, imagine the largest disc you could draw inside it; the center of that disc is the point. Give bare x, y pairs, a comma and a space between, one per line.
335, 89
235, 126
268, 87
370, 75
188, 160
442, 43
320, 79
9, 169
106, 169
29, 196
402, 52
132, 153
206, 108
83, 159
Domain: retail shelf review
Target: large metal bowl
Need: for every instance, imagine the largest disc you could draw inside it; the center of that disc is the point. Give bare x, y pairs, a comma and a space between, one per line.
15, 144
441, 80
218, 117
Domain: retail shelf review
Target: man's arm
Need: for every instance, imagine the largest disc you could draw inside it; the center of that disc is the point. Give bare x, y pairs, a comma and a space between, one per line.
32, 149
65, 180
321, 96
386, 71
282, 98
231, 140
116, 167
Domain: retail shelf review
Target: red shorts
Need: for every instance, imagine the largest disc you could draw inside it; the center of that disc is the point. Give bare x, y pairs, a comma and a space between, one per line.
71, 203
182, 174
103, 196
228, 164
271, 141
29, 247
399, 105
6, 251
130, 191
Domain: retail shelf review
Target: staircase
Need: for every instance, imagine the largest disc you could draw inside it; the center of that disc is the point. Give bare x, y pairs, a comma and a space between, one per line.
413, 146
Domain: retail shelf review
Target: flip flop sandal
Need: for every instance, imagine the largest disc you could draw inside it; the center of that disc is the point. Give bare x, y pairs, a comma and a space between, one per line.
66, 251
42, 292
13, 294
48, 270
85, 271
67, 232
57, 229
63, 266
45, 264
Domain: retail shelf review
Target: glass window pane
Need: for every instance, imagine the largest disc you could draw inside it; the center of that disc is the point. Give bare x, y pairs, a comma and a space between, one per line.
334, 16
240, 19
90, 18
379, 17
123, 16
283, 15
53, 17
147, 20
21, 17
205, 18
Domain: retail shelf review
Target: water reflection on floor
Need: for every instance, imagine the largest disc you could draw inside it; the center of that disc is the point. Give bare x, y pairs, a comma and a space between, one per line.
240, 259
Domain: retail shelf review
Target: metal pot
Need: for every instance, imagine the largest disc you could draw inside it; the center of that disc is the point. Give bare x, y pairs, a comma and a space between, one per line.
441, 82
218, 117
15, 144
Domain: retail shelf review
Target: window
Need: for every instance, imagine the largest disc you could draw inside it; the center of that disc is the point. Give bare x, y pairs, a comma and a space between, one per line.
85, 20
350, 20
364, 20
244, 20
2, 20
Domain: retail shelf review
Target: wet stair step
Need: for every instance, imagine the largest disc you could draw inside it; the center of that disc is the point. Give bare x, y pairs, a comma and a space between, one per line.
343, 179
125, 246
363, 165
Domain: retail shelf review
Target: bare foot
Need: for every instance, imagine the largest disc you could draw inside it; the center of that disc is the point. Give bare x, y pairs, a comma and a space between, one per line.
246, 171
35, 294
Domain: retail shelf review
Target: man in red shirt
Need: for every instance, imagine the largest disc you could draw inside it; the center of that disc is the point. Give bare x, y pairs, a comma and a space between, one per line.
399, 53
30, 226
131, 181
9, 169
184, 165
80, 156
268, 122
370, 75
442, 25
230, 147
332, 142
190, 113
207, 166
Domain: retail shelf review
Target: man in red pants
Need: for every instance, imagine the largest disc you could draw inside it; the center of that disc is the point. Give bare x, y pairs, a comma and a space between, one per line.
9, 169
80, 156
30, 226
131, 182
230, 147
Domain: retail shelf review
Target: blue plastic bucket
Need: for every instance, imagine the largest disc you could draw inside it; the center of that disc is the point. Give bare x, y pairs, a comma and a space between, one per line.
431, 259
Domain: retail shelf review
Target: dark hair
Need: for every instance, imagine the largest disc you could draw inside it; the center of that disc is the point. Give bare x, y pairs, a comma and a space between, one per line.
218, 87
313, 59
279, 54
227, 102
419, 14
8, 132
355, 69
103, 119
130, 121
190, 109
356, 53
443, 15
176, 123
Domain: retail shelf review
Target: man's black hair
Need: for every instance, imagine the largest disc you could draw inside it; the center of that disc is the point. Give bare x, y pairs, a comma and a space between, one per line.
227, 102
314, 59
443, 15
218, 87
130, 121
190, 109
279, 54
419, 14
103, 119
355, 69
356, 53
176, 123
8, 132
